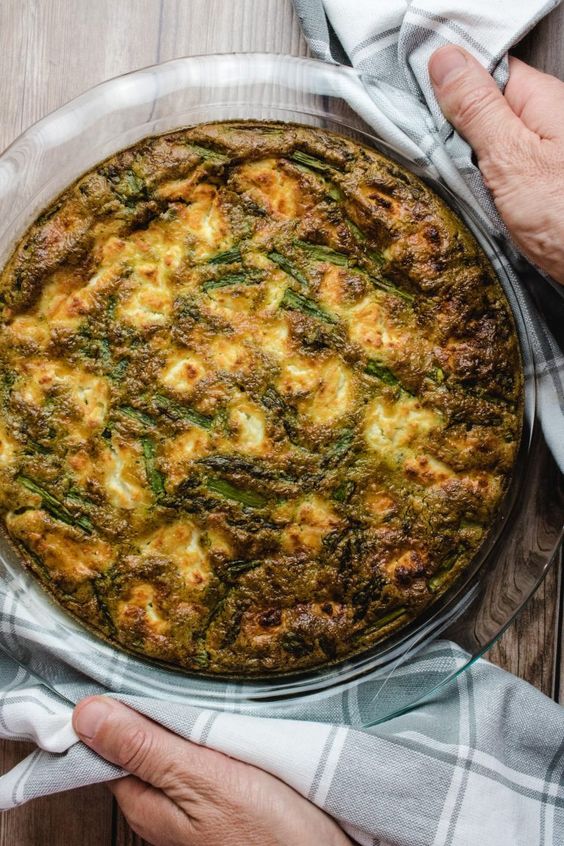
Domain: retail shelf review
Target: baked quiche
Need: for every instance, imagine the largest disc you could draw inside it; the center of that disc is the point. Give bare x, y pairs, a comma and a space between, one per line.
260, 398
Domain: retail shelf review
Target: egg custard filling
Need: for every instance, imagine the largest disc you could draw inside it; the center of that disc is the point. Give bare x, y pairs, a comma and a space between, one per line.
260, 398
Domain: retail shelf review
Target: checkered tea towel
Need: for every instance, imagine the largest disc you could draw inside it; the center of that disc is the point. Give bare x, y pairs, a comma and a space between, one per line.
480, 764
481, 761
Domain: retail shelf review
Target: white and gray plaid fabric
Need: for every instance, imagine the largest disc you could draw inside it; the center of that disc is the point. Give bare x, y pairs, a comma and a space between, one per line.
481, 762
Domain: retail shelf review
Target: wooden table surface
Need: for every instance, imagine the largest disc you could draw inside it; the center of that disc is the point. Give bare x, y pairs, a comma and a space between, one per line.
52, 50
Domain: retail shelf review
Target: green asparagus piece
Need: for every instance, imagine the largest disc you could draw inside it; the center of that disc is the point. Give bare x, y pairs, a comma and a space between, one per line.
374, 368
119, 370
154, 477
390, 288
206, 153
319, 252
178, 412
56, 508
227, 280
356, 232
388, 618
112, 305
344, 491
201, 659
229, 491
298, 302
131, 188
442, 573
311, 161
287, 267
135, 414
237, 568
343, 443
227, 257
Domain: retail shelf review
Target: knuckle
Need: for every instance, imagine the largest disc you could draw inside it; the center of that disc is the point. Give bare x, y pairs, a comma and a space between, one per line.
474, 105
134, 748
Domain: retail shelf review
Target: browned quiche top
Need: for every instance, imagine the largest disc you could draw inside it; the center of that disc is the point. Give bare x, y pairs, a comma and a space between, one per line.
260, 397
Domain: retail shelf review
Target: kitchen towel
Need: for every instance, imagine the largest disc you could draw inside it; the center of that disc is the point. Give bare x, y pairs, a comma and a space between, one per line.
482, 760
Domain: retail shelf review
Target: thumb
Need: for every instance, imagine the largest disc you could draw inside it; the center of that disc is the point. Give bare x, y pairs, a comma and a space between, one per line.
133, 742
472, 102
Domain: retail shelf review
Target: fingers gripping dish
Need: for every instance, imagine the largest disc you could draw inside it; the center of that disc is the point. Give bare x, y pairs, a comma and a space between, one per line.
260, 398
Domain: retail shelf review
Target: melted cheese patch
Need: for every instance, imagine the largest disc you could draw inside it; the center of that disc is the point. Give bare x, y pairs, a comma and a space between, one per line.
334, 393
142, 598
8, 447
182, 371
272, 188
410, 564
88, 393
273, 339
181, 451
371, 328
333, 289
25, 329
187, 547
310, 520
146, 300
57, 546
390, 427
299, 375
229, 355
427, 470
248, 422
123, 478
206, 221
65, 302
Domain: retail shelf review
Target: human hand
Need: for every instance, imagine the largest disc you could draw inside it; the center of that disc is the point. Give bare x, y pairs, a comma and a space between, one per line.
181, 794
518, 138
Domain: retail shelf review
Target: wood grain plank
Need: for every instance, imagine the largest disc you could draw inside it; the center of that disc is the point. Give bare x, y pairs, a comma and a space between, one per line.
76, 818
532, 646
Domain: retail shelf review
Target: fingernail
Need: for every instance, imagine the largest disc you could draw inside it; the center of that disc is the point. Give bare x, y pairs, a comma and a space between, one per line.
89, 718
445, 64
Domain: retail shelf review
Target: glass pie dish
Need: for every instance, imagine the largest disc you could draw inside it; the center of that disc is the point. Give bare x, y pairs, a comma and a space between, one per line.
521, 546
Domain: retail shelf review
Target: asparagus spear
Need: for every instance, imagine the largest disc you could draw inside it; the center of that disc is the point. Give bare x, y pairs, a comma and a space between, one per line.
178, 412
374, 368
229, 279
227, 257
237, 568
287, 267
319, 252
309, 164
119, 370
294, 301
390, 288
344, 491
56, 508
229, 491
201, 659
388, 618
443, 571
206, 153
312, 162
135, 414
154, 477
357, 233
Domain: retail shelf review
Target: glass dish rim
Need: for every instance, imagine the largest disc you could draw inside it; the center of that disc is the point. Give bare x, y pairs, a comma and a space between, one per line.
374, 140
